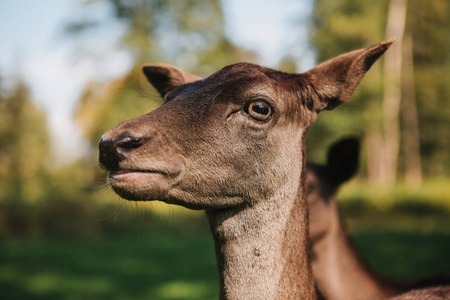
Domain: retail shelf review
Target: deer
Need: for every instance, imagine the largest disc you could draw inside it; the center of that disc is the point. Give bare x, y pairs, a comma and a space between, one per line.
233, 144
429, 293
338, 269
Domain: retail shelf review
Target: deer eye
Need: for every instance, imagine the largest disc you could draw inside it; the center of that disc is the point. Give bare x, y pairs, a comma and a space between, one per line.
258, 110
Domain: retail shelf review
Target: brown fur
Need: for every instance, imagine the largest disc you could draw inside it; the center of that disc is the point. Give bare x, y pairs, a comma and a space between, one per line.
202, 150
433, 293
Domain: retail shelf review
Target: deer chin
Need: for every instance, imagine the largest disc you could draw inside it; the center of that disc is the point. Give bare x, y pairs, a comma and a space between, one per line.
142, 185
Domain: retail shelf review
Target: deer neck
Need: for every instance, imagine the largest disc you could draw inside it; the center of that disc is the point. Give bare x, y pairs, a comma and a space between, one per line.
339, 271
262, 250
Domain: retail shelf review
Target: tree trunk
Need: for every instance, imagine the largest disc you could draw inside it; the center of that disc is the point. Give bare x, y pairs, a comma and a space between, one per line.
410, 132
373, 138
392, 90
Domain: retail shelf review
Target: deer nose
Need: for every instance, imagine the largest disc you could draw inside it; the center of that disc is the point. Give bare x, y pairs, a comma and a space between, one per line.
111, 152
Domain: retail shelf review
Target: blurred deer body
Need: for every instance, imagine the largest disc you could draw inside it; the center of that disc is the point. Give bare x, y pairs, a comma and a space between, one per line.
232, 144
431, 293
339, 271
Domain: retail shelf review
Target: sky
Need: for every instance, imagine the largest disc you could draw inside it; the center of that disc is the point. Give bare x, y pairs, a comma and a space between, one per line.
33, 47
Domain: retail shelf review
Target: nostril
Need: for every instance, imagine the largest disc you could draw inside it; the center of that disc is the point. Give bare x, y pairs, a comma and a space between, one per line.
129, 142
113, 151
109, 157
106, 146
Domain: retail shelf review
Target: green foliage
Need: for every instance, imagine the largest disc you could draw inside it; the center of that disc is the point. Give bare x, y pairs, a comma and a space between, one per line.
400, 207
431, 192
24, 145
344, 25
428, 23
174, 266
179, 32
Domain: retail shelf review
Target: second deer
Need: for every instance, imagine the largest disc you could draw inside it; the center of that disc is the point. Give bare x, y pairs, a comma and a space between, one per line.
339, 271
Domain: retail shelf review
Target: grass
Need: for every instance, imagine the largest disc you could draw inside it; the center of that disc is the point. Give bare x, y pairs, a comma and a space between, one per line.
432, 193
405, 255
150, 267
173, 266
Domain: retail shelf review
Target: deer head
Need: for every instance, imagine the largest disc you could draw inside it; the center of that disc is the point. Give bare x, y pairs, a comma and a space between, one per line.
227, 139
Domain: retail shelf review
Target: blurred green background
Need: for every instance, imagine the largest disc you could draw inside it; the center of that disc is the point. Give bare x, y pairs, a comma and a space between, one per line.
65, 235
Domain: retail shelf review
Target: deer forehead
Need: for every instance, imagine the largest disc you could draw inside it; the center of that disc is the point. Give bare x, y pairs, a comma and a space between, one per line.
240, 83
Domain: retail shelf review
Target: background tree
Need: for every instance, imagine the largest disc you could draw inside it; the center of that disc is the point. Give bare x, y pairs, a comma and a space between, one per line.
188, 33
334, 31
24, 145
428, 25
24, 159
396, 19
411, 136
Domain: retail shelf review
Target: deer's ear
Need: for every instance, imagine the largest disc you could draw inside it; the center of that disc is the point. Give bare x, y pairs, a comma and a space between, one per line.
342, 160
165, 77
335, 80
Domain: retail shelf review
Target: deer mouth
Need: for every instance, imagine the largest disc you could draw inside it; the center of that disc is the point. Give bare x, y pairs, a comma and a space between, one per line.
143, 185
133, 175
